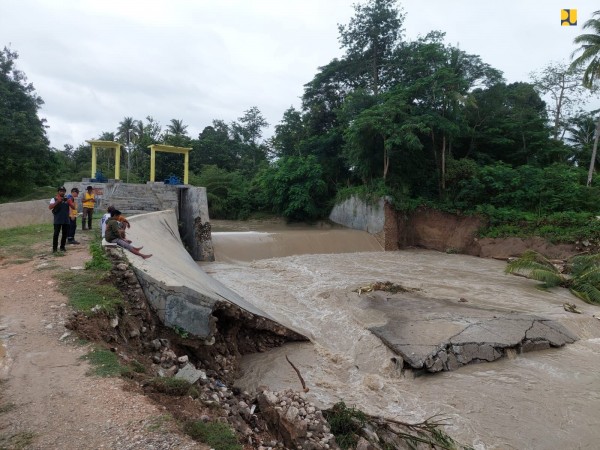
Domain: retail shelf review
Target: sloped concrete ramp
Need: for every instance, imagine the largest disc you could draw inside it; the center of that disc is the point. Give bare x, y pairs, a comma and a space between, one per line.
182, 294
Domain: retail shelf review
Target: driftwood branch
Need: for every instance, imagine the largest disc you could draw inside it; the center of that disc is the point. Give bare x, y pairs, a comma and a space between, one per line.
298, 373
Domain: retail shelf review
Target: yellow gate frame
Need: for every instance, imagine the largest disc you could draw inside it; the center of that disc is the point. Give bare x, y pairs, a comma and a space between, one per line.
185, 151
110, 145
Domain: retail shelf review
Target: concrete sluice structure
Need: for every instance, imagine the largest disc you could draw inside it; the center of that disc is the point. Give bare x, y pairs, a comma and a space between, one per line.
182, 294
426, 333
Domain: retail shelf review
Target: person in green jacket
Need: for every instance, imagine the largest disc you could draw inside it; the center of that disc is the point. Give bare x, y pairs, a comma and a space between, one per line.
115, 234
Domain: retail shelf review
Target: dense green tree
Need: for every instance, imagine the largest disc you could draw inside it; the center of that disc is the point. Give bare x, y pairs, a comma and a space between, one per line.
215, 146
293, 187
289, 134
176, 134
126, 134
379, 133
508, 123
370, 39
439, 80
580, 137
25, 156
227, 193
526, 188
589, 58
247, 131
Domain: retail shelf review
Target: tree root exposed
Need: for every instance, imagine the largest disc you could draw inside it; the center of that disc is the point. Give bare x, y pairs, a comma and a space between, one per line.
298, 373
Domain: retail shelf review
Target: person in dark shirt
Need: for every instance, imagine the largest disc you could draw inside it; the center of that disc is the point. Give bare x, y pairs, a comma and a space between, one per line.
59, 205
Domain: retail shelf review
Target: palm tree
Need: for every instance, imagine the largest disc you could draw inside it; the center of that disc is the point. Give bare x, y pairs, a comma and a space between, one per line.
126, 130
581, 277
177, 128
590, 56
126, 133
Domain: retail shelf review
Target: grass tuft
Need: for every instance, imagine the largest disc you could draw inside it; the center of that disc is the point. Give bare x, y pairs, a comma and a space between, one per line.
345, 424
19, 244
88, 288
218, 435
170, 386
104, 363
99, 259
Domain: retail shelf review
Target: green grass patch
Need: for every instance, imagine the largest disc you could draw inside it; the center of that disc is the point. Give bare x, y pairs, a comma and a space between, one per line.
99, 259
218, 435
345, 424
17, 243
157, 423
172, 386
104, 363
563, 227
137, 367
88, 288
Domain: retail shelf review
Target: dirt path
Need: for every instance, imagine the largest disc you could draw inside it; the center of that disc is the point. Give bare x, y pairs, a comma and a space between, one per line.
46, 399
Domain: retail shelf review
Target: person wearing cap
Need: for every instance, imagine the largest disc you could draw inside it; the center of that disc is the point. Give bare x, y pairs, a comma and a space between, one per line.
60, 209
72, 200
115, 234
88, 202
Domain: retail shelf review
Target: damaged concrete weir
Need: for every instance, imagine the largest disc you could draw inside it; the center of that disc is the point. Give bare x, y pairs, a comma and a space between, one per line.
438, 335
182, 294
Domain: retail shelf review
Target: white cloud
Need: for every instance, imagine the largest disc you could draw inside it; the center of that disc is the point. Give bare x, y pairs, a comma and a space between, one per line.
95, 62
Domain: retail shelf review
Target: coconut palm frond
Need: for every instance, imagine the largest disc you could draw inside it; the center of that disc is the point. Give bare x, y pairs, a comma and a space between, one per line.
583, 280
548, 278
586, 292
524, 267
528, 262
583, 263
591, 276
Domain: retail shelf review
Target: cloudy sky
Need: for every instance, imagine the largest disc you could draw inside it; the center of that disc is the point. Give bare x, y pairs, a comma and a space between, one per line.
95, 62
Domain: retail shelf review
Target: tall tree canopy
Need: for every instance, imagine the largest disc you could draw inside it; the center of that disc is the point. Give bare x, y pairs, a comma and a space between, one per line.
370, 39
25, 155
589, 58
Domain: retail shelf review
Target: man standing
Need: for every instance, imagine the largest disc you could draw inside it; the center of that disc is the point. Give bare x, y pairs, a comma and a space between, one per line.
60, 208
88, 202
72, 201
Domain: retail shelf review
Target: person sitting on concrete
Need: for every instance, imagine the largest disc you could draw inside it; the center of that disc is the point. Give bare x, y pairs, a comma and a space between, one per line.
105, 217
115, 234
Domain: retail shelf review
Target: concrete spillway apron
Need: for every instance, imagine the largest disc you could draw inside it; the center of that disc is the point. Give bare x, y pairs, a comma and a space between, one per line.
182, 294
437, 335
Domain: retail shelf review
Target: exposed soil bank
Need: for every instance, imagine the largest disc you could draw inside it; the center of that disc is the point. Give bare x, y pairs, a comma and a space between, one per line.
437, 230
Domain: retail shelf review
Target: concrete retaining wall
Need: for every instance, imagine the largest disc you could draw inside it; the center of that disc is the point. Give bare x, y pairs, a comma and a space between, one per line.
20, 214
356, 214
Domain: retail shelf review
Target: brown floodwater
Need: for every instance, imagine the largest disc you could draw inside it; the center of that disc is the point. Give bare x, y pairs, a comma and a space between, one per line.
542, 400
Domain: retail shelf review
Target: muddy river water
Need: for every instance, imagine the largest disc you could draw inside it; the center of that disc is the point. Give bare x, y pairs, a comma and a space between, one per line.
304, 278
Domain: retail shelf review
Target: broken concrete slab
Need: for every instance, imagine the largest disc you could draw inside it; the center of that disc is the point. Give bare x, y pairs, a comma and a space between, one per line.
437, 335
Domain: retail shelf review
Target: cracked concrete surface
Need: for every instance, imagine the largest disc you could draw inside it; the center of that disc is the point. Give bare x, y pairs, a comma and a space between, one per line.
443, 338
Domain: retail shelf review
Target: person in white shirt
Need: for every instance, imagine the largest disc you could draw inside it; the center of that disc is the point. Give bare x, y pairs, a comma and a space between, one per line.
105, 217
